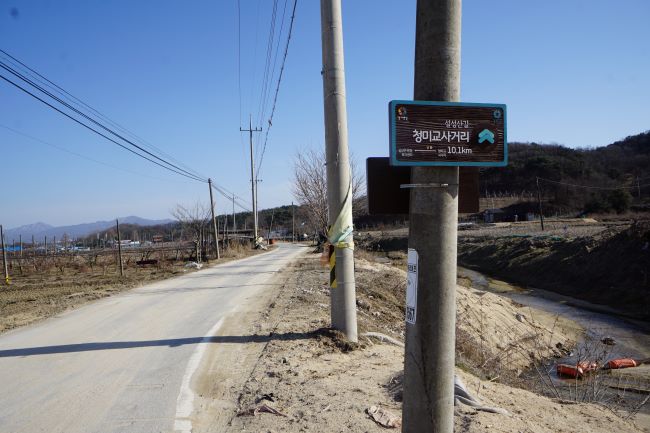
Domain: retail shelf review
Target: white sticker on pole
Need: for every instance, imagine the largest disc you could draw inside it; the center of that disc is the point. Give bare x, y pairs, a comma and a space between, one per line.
412, 286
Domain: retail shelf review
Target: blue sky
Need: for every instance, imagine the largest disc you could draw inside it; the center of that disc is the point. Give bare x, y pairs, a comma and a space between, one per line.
572, 72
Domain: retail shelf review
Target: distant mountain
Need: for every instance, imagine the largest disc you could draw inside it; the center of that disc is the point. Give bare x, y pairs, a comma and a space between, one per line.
40, 230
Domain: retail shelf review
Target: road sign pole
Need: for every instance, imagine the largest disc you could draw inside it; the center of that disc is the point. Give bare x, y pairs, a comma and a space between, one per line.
342, 286
430, 341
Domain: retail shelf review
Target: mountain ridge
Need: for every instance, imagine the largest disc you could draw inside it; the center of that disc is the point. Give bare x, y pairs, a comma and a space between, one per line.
39, 230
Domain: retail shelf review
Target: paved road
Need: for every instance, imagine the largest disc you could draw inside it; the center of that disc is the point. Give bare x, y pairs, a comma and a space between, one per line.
124, 364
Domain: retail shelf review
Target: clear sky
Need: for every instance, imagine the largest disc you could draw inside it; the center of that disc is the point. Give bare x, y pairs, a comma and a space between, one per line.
574, 72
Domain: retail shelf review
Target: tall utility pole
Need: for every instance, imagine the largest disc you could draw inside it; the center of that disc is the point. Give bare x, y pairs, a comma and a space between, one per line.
214, 221
339, 186
234, 221
250, 131
293, 223
4, 255
119, 248
433, 221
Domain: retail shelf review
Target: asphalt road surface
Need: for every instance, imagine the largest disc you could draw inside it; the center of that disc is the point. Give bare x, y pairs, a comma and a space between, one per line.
125, 363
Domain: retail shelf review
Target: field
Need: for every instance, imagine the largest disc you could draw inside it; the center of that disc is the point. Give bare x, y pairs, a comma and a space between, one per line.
43, 286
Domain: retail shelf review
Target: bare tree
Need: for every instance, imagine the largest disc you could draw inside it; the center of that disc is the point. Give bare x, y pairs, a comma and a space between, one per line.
195, 221
310, 187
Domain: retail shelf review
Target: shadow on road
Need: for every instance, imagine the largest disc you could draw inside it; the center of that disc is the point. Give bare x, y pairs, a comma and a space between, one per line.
173, 342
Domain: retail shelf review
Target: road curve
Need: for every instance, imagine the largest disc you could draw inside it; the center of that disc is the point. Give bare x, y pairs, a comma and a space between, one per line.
124, 363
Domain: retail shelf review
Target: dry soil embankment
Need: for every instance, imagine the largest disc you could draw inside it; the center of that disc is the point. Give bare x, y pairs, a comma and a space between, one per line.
299, 377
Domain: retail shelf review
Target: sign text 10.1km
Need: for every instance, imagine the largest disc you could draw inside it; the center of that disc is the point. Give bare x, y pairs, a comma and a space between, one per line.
424, 133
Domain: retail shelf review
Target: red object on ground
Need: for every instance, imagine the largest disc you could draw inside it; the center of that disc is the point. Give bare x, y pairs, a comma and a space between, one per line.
576, 371
569, 370
621, 363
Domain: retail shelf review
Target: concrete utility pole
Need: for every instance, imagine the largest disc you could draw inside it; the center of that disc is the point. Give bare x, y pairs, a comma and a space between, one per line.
119, 248
250, 131
4, 255
214, 221
234, 221
339, 191
433, 221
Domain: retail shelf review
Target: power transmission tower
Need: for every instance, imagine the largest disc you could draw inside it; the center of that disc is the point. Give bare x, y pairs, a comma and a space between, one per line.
250, 131
339, 186
214, 221
433, 224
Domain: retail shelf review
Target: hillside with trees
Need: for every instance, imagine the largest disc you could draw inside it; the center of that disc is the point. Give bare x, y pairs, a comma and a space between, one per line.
610, 178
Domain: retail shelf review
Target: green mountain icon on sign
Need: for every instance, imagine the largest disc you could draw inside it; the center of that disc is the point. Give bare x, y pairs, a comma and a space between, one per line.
486, 135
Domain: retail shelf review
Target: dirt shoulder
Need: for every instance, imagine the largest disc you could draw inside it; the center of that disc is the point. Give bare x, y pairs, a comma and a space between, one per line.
286, 373
43, 287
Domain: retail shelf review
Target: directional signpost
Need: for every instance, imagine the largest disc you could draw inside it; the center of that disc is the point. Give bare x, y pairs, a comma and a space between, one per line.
424, 133
433, 139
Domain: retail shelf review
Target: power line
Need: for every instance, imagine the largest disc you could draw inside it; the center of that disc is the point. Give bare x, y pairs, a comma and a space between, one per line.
239, 55
277, 89
96, 131
186, 172
67, 105
230, 196
63, 149
272, 69
267, 63
593, 187
79, 103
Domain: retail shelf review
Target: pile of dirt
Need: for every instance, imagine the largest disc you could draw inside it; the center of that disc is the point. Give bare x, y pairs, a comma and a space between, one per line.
611, 268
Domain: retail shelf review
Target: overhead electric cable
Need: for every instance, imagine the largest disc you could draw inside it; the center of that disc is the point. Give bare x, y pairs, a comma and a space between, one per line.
277, 89
273, 64
592, 187
79, 103
27, 80
79, 155
239, 54
230, 196
267, 64
96, 131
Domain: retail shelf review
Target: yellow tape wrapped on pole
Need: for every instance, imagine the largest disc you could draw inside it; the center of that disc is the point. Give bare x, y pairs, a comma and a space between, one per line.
338, 232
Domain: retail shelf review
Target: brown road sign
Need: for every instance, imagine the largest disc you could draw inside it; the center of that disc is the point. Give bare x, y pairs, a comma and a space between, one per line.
385, 196
425, 133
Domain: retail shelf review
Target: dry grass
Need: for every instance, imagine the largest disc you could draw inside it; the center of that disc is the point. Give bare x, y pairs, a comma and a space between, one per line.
42, 286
